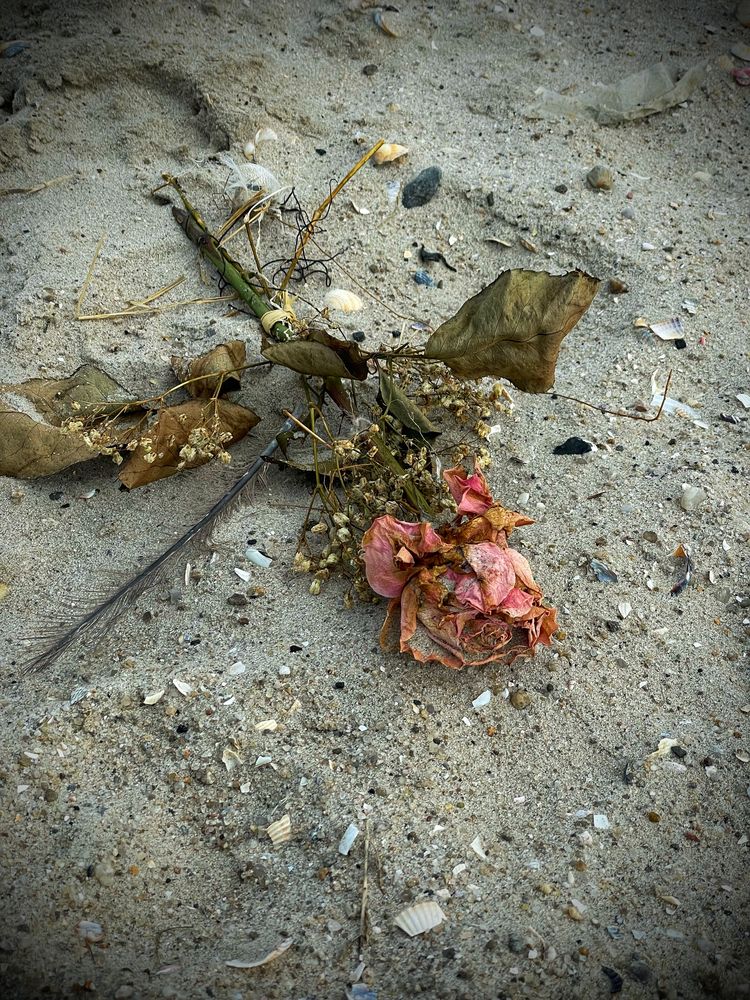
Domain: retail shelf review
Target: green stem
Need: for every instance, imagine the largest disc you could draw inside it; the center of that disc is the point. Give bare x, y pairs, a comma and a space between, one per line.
195, 228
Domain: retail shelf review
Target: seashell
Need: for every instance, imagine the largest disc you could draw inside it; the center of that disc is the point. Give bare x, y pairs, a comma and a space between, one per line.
236, 669
478, 848
350, 835
243, 574
241, 963
482, 700
344, 300
268, 726
257, 558
744, 398
231, 759
91, 931
247, 178
669, 329
381, 22
624, 609
183, 687
500, 242
280, 831
358, 209
420, 918
262, 135
389, 152
151, 699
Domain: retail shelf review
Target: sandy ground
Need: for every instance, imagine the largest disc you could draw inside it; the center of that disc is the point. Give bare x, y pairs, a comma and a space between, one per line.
124, 814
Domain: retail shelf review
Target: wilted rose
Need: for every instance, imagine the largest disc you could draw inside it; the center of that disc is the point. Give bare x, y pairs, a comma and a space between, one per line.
459, 595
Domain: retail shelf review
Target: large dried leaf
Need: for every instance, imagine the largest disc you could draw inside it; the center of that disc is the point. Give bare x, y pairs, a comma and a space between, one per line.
514, 327
172, 431
395, 402
31, 448
219, 365
60, 399
319, 354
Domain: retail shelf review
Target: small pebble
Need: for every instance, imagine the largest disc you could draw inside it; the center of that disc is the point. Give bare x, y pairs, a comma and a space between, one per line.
561, 188
600, 178
617, 287
628, 212
370, 69
520, 700
423, 278
284, 670
573, 446
692, 497
742, 51
358, 336
421, 188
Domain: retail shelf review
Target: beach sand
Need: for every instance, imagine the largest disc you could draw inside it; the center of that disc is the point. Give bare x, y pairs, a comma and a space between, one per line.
598, 865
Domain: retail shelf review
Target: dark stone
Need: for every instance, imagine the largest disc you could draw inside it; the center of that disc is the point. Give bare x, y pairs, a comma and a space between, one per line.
679, 752
640, 971
370, 69
573, 446
56, 495
359, 336
421, 188
320, 151
561, 188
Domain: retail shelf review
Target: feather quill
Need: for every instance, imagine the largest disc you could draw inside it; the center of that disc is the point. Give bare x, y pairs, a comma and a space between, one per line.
93, 624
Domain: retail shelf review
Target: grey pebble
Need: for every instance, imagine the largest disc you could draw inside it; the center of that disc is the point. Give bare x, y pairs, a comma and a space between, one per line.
421, 188
600, 178
628, 212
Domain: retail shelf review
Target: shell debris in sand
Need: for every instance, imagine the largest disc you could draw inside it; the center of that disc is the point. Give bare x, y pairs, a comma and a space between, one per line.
389, 152
280, 831
668, 329
343, 300
419, 918
241, 963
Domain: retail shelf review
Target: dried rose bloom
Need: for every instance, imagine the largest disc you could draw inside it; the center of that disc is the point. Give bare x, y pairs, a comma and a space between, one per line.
459, 595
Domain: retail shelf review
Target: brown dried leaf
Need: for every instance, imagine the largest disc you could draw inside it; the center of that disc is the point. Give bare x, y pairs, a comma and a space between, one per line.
31, 448
54, 398
320, 354
514, 327
219, 364
172, 431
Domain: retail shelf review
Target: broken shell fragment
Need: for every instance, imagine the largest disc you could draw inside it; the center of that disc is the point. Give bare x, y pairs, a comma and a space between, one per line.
151, 699
280, 831
669, 329
478, 848
183, 687
241, 963
389, 152
268, 725
347, 841
343, 299
419, 918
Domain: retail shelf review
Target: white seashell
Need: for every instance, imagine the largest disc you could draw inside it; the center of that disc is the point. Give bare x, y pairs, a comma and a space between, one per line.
481, 700
280, 831
344, 300
692, 497
744, 398
91, 931
624, 608
248, 150
265, 135
669, 329
231, 759
241, 963
151, 699
268, 726
262, 760
183, 687
256, 557
478, 848
236, 669
358, 209
243, 574
389, 152
350, 835
600, 822
420, 918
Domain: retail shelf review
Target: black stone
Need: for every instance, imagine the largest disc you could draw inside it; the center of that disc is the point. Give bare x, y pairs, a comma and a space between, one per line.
421, 188
573, 446
370, 69
359, 336
561, 188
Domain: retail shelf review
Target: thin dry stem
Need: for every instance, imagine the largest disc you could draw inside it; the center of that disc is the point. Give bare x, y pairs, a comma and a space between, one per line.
322, 208
619, 413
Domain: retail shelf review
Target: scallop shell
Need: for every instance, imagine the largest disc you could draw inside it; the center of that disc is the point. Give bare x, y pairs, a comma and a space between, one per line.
420, 918
341, 298
280, 831
388, 152
669, 329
